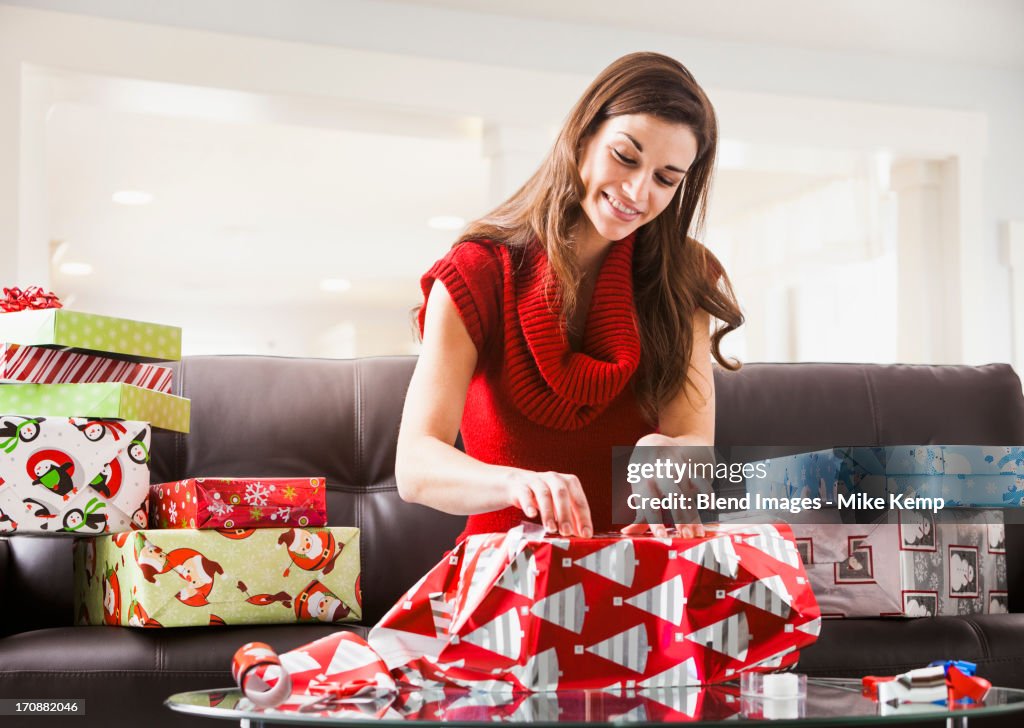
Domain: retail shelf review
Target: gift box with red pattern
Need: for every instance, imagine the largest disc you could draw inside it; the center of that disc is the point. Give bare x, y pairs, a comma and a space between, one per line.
523, 612
239, 503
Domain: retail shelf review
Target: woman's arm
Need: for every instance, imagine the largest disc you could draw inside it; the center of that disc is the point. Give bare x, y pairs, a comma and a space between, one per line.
431, 471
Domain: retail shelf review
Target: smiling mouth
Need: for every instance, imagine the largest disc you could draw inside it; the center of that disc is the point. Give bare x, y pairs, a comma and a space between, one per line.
620, 206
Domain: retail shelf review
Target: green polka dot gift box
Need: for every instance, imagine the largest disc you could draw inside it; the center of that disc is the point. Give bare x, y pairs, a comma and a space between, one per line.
121, 338
192, 578
100, 399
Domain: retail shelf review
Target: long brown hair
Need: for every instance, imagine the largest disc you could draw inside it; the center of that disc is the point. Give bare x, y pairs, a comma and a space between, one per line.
673, 274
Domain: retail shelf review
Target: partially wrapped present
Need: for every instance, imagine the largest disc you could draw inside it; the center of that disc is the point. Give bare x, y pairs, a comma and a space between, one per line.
74, 476
185, 578
239, 503
522, 612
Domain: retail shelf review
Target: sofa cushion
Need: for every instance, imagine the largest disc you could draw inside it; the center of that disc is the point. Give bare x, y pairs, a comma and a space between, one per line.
890, 645
823, 405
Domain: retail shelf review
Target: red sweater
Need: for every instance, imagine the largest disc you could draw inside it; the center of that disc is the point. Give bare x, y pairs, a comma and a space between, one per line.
533, 402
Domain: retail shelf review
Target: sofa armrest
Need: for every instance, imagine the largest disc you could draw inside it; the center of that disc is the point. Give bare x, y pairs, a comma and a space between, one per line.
5, 561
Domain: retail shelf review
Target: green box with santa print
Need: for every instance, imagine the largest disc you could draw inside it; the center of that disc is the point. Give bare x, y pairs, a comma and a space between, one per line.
191, 578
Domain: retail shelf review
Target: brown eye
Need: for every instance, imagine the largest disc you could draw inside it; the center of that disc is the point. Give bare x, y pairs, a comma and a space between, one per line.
623, 158
665, 180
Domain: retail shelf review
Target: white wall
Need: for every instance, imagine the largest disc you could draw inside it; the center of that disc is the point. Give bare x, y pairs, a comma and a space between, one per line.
516, 71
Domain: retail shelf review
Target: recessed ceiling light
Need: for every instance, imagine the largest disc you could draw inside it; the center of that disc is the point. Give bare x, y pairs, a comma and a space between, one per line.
446, 222
75, 269
132, 197
335, 285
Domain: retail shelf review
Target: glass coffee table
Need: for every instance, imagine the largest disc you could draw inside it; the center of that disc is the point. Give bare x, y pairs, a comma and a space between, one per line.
828, 702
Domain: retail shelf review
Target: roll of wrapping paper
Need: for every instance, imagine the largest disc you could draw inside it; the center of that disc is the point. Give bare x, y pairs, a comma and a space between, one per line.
341, 665
257, 670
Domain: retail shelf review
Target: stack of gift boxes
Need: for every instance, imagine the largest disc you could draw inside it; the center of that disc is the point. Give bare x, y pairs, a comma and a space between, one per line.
80, 395
224, 551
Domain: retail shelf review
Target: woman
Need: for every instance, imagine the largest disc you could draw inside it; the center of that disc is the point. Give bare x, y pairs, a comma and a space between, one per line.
575, 317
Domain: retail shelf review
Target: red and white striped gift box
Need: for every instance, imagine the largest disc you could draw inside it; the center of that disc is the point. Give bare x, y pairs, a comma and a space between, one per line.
40, 365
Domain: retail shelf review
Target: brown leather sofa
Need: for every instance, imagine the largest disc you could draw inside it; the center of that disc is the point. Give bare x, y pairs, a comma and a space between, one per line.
268, 416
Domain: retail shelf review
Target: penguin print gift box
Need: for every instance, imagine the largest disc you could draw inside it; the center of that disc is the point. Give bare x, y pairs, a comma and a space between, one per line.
537, 613
238, 503
75, 476
190, 578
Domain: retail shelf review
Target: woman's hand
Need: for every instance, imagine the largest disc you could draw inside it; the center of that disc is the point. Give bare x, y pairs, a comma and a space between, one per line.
650, 450
557, 498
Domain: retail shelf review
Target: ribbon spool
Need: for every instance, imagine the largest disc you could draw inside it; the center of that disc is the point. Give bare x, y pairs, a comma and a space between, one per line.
257, 670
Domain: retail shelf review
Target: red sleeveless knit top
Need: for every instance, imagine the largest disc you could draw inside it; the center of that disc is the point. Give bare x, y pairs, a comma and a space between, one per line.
533, 402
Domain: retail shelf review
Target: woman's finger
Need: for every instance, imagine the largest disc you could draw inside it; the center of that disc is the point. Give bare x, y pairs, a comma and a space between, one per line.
563, 504
635, 529
580, 508
542, 496
528, 503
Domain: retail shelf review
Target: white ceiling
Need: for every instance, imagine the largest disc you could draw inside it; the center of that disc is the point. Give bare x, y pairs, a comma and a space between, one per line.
979, 32
986, 32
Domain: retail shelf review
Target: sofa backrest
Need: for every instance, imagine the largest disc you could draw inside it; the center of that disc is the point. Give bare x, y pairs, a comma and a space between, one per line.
273, 416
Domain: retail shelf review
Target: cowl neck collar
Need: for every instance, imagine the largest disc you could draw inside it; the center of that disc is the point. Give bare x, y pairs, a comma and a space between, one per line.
551, 384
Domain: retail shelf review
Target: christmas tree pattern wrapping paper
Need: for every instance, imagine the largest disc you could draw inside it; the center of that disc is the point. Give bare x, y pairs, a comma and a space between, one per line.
239, 503
38, 365
122, 338
72, 476
190, 578
371, 693
521, 612
108, 399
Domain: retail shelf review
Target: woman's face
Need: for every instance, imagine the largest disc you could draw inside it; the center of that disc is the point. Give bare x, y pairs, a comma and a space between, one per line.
631, 168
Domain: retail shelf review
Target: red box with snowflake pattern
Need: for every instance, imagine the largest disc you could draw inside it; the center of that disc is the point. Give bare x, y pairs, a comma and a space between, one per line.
239, 503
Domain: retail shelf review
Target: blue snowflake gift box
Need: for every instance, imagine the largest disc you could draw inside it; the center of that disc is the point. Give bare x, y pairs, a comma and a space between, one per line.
976, 477
962, 475
209, 503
